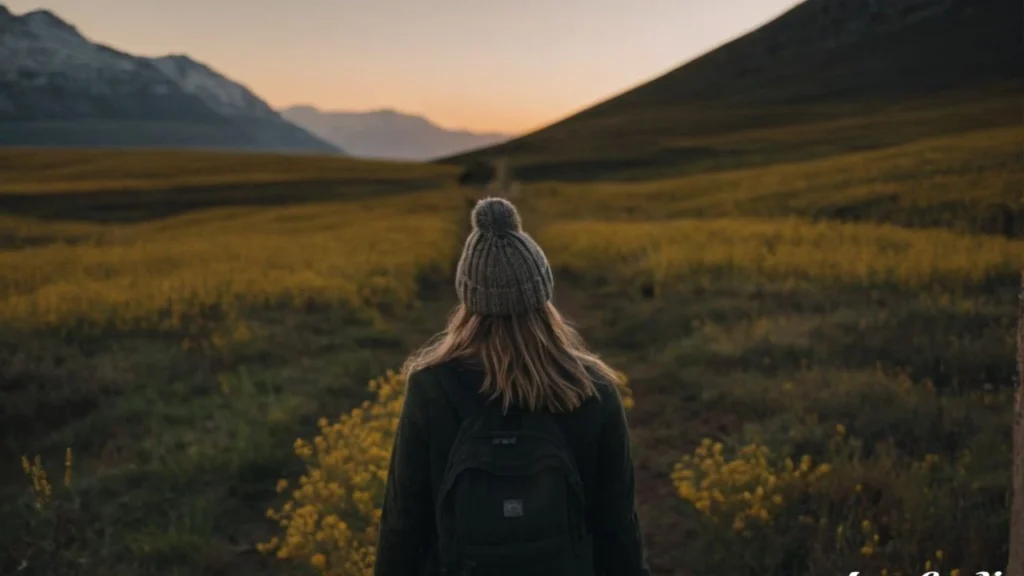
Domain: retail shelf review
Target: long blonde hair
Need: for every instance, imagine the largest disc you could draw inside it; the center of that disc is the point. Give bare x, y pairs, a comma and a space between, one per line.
533, 360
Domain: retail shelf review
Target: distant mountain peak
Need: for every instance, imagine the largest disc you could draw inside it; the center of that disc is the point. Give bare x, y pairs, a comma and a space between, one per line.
54, 81
302, 108
179, 59
387, 133
219, 92
46, 19
43, 15
392, 113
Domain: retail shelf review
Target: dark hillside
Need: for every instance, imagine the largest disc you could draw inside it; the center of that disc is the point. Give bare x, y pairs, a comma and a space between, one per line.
826, 50
896, 70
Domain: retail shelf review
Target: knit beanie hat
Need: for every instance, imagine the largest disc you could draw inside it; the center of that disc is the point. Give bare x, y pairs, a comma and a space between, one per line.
502, 270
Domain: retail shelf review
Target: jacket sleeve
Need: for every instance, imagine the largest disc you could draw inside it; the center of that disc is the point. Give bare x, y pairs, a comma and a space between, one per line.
618, 541
407, 513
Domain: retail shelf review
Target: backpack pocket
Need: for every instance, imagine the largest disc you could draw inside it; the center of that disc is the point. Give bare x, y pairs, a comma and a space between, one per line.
495, 509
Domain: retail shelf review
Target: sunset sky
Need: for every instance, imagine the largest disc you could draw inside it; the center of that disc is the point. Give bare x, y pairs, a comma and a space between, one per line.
484, 65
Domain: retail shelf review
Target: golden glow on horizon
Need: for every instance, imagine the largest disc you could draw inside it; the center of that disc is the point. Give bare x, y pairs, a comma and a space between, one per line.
497, 66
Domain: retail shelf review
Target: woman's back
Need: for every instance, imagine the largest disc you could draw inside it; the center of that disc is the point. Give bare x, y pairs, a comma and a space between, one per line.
512, 454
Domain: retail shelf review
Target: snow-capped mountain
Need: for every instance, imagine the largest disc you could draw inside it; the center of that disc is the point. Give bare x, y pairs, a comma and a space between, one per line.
388, 134
59, 88
218, 92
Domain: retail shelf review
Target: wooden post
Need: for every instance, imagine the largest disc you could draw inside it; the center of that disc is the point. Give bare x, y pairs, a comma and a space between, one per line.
501, 177
1016, 567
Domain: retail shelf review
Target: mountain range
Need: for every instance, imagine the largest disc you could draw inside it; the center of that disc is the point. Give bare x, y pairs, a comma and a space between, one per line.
819, 64
838, 69
387, 134
59, 88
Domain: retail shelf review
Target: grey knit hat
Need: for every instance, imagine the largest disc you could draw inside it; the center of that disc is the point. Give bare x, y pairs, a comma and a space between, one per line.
502, 270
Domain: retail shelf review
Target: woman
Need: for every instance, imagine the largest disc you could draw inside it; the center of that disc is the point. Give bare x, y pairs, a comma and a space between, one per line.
512, 453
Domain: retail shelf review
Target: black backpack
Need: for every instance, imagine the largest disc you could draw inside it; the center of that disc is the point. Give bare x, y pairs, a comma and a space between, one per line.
511, 501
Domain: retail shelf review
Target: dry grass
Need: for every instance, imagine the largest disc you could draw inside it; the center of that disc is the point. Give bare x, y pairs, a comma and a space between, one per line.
668, 251
972, 181
156, 275
34, 171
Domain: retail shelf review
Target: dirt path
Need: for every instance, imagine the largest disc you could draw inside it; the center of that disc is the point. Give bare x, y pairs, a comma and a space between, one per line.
660, 410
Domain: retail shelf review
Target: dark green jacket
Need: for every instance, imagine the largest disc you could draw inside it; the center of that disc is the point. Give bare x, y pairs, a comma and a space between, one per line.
596, 432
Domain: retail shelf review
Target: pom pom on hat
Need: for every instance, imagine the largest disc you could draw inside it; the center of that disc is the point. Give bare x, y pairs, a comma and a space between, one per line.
496, 216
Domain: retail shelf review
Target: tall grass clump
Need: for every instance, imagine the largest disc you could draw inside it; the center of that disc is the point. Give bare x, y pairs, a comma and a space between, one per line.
48, 516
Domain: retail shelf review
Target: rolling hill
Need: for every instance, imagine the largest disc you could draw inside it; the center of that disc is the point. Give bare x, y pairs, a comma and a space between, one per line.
387, 134
833, 72
58, 88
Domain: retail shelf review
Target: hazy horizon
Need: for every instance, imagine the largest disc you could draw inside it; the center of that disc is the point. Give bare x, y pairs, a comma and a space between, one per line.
498, 67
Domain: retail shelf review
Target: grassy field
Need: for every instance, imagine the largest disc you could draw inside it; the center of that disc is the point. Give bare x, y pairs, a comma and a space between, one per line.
810, 395
665, 253
105, 185
178, 359
39, 170
677, 139
970, 182
157, 276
